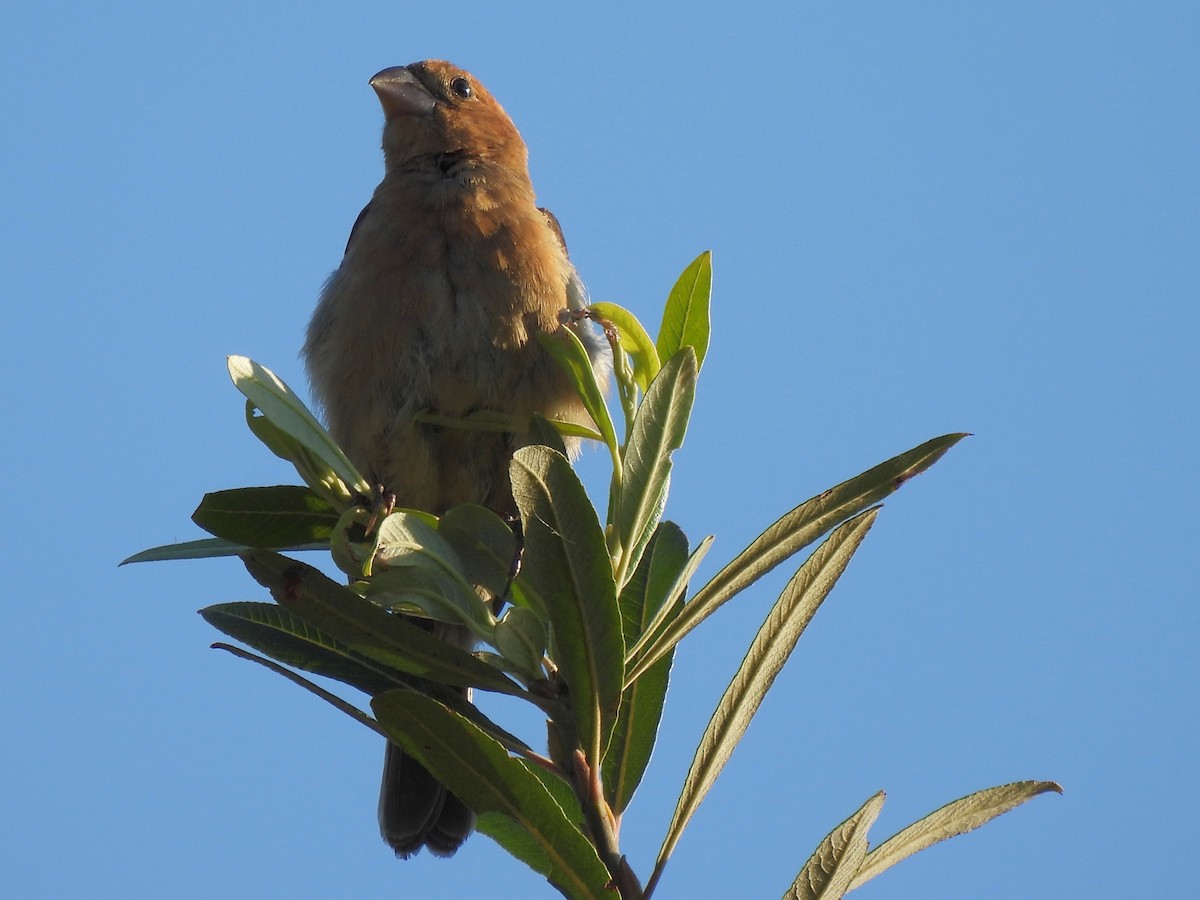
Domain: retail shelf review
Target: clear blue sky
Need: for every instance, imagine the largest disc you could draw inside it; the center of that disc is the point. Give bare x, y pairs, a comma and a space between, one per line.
925, 217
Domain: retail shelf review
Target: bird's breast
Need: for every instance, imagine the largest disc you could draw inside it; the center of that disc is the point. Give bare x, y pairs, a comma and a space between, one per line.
442, 289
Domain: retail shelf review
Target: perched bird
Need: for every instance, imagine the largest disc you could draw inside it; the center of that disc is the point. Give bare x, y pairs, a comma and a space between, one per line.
450, 272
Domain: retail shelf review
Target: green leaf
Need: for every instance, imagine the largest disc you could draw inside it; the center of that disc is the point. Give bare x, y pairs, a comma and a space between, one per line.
407, 541
208, 548
636, 729
658, 430
686, 316
366, 629
519, 842
285, 515
521, 639
667, 611
770, 649
828, 872
425, 593
959, 817
484, 544
566, 565
287, 412
312, 469
272, 630
477, 769
300, 681
795, 531
566, 348
633, 339
560, 790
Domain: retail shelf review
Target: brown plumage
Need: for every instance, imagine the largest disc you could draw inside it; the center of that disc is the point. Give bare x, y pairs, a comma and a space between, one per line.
449, 272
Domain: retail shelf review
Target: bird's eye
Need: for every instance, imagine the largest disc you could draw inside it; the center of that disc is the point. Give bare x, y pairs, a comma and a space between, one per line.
461, 87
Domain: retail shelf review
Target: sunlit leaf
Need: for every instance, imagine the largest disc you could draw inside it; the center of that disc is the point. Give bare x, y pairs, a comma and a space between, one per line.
633, 339
686, 316
770, 649
286, 411
566, 348
658, 430
795, 531
959, 817
829, 871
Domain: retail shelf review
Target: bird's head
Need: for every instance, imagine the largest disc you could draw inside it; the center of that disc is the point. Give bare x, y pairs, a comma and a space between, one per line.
434, 109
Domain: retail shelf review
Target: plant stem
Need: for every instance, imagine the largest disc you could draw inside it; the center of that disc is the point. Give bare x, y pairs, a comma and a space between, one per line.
602, 826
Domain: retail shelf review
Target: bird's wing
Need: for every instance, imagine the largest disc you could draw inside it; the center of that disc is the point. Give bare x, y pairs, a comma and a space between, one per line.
362, 215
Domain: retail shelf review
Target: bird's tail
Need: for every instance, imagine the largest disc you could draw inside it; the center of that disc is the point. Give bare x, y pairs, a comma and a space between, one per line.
416, 810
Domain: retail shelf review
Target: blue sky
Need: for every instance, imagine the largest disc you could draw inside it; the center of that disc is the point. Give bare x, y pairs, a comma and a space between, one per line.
925, 218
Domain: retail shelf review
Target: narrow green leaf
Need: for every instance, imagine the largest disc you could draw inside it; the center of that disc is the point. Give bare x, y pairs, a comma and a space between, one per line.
305, 684
795, 531
633, 737
286, 411
574, 430
478, 770
366, 629
633, 339
285, 515
275, 438
656, 580
829, 871
686, 316
313, 470
566, 348
207, 548
408, 540
772, 646
521, 639
667, 611
273, 630
566, 565
959, 817
658, 430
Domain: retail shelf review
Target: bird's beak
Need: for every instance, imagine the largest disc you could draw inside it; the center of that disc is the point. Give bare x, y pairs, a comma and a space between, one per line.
402, 94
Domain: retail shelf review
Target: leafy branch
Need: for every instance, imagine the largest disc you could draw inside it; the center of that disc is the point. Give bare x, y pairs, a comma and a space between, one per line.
593, 617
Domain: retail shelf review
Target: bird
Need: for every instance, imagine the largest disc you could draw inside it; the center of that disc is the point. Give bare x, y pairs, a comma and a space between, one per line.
450, 273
